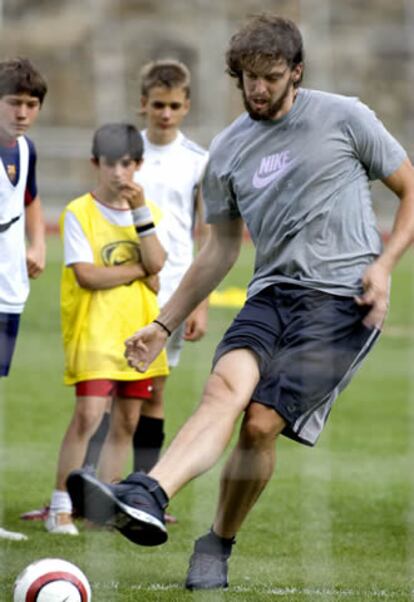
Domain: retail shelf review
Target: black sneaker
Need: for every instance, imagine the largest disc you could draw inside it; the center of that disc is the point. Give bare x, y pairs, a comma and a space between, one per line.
208, 564
135, 506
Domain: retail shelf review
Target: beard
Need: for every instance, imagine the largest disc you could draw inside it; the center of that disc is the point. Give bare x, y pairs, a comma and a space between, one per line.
269, 113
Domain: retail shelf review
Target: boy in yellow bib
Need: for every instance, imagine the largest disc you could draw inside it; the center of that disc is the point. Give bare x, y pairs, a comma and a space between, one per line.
112, 255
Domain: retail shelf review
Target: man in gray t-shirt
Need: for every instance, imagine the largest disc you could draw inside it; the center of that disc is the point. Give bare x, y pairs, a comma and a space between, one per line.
301, 184
296, 168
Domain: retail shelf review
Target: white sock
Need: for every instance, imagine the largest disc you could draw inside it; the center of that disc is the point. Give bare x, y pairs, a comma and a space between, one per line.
61, 502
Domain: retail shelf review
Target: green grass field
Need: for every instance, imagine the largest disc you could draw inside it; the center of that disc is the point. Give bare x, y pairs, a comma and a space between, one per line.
335, 523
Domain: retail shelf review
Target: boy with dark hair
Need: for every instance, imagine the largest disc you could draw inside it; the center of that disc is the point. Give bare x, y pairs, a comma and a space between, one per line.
22, 91
19, 76
111, 255
170, 176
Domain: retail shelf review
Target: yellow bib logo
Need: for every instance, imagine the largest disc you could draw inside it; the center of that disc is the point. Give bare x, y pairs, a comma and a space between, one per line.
121, 252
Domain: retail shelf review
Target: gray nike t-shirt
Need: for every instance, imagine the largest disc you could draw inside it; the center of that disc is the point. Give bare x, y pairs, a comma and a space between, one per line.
302, 185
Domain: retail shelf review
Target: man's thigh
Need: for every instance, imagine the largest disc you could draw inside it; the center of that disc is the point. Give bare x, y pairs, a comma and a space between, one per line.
257, 327
323, 342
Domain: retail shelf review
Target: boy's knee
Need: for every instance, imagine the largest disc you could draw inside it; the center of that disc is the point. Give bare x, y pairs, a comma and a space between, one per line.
86, 423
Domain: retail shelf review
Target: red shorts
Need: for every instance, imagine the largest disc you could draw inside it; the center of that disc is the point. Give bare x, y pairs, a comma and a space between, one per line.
127, 389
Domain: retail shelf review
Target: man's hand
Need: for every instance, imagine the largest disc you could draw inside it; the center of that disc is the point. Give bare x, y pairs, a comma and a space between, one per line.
144, 346
196, 324
35, 260
376, 284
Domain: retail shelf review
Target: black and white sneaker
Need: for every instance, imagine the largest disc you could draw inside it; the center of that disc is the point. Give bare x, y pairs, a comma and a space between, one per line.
135, 506
209, 563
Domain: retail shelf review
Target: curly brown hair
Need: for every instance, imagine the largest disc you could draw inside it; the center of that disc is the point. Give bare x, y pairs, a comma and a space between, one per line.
264, 39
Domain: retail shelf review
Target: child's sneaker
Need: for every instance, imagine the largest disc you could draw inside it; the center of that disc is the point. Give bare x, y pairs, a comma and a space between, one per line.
60, 523
12, 535
39, 514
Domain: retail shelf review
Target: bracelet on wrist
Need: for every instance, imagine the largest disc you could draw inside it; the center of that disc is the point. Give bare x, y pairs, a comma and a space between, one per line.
163, 326
146, 229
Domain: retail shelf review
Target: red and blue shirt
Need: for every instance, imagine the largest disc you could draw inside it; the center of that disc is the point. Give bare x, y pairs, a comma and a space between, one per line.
10, 157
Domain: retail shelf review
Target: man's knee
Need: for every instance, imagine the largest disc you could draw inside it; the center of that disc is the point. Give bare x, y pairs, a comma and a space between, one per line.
261, 426
221, 396
233, 379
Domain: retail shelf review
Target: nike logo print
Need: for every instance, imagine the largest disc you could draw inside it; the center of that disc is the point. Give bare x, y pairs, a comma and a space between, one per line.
271, 169
6, 225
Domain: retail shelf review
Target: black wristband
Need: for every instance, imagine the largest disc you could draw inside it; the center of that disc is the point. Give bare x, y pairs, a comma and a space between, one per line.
145, 228
163, 326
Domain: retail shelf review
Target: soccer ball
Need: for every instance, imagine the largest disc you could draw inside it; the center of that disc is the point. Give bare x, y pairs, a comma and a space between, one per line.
51, 580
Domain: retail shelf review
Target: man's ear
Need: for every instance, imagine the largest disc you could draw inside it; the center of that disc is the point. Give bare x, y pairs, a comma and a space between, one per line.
297, 73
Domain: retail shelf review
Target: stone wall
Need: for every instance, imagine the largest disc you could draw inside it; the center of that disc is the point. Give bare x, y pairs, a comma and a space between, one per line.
91, 52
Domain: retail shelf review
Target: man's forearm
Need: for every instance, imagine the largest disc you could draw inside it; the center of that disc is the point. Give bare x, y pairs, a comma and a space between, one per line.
207, 270
401, 182
402, 234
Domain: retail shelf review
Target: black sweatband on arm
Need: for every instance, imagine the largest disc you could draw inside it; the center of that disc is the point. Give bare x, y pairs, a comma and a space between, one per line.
145, 228
143, 221
163, 326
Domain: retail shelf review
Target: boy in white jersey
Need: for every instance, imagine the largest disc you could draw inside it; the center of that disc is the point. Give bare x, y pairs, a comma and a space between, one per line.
296, 168
22, 91
111, 255
170, 175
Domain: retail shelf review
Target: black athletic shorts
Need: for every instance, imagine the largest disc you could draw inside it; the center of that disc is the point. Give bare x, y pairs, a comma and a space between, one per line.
308, 344
9, 327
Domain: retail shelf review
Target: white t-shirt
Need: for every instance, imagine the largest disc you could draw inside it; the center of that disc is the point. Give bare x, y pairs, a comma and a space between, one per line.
76, 247
170, 176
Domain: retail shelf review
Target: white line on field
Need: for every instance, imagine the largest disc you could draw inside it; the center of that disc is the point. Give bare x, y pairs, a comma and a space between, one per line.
272, 591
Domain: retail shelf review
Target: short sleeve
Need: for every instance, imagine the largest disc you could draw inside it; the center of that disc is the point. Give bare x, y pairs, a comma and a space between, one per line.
76, 247
218, 194
376, 148
31, 184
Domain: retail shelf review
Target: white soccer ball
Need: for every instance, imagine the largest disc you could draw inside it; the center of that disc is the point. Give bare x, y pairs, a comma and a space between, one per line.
51, 580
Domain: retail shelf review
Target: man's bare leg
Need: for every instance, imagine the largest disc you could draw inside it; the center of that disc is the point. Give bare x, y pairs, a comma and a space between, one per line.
136, 506
248, 469
206, 434
245, 475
